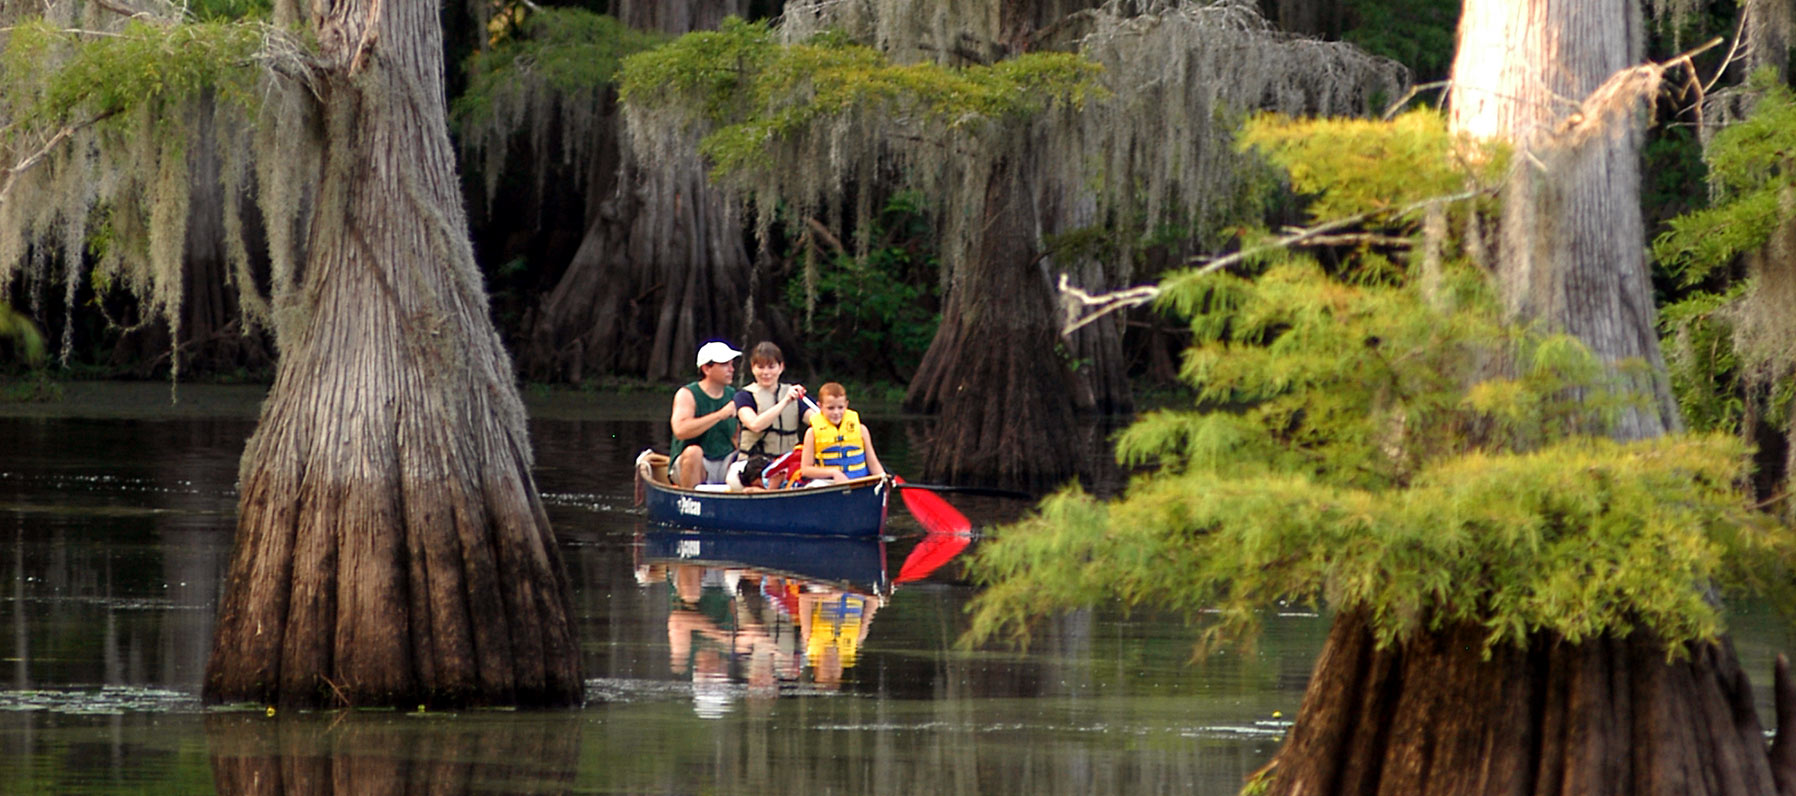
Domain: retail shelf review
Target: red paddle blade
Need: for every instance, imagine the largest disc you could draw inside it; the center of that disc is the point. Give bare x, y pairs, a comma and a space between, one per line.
935, 550
932, 512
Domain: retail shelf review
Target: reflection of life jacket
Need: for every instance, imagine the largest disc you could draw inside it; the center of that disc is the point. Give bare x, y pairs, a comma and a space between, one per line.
836, 623
841, 446
785, 431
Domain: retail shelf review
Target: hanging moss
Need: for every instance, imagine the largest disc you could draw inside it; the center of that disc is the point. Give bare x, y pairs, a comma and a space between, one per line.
97, 122
549, 79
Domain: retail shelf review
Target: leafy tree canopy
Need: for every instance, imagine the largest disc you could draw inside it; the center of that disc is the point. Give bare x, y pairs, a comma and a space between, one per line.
1729, 336
747, 89
54, 76
1750, 169
569, 49
1375, 436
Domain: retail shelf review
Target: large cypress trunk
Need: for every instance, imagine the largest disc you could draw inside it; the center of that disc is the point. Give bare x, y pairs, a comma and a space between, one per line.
1572, 247
1004, 395
661, 268
391, 549
661, 265
1607, 716
1604, 715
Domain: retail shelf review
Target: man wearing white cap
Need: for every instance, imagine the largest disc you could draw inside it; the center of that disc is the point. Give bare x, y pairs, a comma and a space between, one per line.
704, 419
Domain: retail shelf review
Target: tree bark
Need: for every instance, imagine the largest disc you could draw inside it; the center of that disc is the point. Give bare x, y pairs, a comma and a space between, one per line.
391, 548
662, 268
1571, 246
1608, 716
992, 369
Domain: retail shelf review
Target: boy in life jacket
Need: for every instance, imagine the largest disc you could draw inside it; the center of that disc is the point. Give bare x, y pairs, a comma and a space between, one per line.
772, 414
836, 446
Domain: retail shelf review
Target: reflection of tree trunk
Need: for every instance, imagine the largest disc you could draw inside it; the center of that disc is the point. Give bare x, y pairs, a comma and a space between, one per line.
391, 548
992, 369
373, 755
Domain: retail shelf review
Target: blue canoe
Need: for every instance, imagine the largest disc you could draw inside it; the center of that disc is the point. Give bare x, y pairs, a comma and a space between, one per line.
855, 508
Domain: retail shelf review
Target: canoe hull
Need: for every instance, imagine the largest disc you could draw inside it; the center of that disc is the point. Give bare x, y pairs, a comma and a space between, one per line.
856, 508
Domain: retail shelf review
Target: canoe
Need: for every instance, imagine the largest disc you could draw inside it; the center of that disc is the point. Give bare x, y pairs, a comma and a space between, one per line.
854, 508
844, 563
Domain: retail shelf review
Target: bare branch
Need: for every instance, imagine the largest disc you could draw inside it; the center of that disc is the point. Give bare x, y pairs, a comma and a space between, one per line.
31, 160
1081, 308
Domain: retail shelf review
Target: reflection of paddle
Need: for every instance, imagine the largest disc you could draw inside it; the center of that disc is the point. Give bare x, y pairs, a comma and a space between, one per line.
934, 513
935, 550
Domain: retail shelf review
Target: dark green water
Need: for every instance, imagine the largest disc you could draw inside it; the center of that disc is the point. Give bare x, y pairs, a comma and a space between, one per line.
784, 674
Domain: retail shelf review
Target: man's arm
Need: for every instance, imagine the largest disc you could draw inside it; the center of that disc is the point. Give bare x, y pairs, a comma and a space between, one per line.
687, 423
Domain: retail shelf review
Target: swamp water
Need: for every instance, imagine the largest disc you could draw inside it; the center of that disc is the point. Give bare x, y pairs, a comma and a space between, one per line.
713, 665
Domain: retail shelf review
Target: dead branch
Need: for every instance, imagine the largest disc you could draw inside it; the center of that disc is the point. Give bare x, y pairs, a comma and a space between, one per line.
1080, 308
31, 160
822, 232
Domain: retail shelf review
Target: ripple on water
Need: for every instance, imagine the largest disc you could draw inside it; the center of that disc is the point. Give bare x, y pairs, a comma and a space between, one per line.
106, 700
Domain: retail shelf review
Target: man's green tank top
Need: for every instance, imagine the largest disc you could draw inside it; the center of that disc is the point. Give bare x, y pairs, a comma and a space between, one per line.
718, 440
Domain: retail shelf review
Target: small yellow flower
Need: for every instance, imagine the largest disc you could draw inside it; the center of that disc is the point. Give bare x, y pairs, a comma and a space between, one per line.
271, 710
1276, 714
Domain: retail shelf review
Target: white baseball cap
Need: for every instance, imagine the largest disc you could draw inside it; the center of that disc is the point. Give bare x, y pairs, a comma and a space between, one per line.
716, 351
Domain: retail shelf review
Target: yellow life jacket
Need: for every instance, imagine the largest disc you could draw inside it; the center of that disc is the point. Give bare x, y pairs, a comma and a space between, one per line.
840, 446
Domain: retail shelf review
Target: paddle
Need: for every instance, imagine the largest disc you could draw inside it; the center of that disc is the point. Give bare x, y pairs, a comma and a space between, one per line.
932, 512
983, 491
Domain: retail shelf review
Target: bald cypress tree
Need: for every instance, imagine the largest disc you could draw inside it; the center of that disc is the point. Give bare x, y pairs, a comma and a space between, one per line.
391, 549
1470, 454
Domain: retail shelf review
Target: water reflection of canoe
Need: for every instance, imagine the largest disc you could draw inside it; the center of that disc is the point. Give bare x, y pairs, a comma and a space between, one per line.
855, 508
856, 565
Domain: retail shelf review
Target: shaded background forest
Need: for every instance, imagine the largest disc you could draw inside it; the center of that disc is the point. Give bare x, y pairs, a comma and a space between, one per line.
601, 271
595, 273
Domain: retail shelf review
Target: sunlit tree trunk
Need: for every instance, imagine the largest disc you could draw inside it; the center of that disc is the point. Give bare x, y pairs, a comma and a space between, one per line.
1609, 715
391, 548
1571, 252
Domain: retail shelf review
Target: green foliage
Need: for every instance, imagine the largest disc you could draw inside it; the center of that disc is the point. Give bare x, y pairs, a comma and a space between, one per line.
1718, 339
1750, 165
568, 49
1580, 538
749, 90
23, 334
874, 312
1380, 439
50, 77
1700, 356
225, 10
1416, 33
1363, 165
